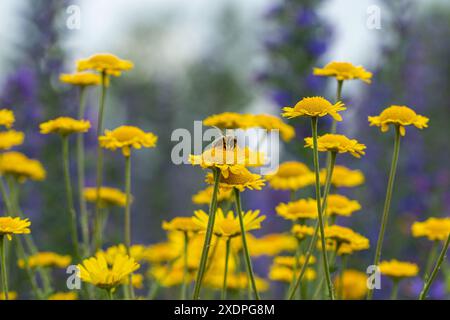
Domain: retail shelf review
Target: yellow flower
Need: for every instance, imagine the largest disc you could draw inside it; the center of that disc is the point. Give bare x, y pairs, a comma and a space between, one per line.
96, 270
241, 180
289, 261
108, 196
285, 274
300, 231
166, 276
10, 138
398, 269
82, 79
204, 196
137, 252
271, 244
45, 260
64, 296
269, 122
12, 295
137, 280
7, 118
21, 167
400, 116
234, 281
347, 240
314, 107
291, 175
354, 284
228, 225
105, 62
432, 228
300, 209
162, 252
341, 205
344, 71
184, 224
65, 126
230, 120
9, 226
343, 177
337, 143
127, 137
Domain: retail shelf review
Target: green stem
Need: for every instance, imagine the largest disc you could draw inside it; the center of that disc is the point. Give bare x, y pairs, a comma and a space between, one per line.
98, 242
338, 98
313, 242
295, 268
394, 293
185, 267
208, 236
3, 266
248, 261
110, 294
80, 174
225, 272
435, 271
31, 276
387, 202
344, 260
69, 196
127, 231
430, 260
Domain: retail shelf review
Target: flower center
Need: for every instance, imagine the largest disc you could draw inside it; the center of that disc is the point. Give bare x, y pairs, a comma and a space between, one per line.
126, 133
291, 169
400, 113
313, 104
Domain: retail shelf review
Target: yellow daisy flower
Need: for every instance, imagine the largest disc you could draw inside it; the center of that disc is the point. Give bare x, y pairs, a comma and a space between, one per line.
230, 120
7, 118
127, 137
204, 196
337, 143
137, 252
64, 296
21, 167
166, 276
291, 175
347, 240
234, 282
184, 224
106, 63
398, 269
432, 228
270, 122
228, 225
11, 138
46, 260
162, 252
285, 274
241, 180
314, 107
271, 244
352, 284
96, 270
65, 126
137, 280
300, 209
289, 261
344, 71
108, 196
340, 234
400, 116
300, 231
9, 226
341, 205
343, 177
82, 79
12, 295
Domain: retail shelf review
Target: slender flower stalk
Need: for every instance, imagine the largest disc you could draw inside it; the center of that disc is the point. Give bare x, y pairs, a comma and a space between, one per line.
344, 260
69, 195
387, 202
31, 276
429, 281
208, 236
185, 266
127, 231
3, 266
110, 294
430, 260
225, 272
338, 98
395, 285
246, 253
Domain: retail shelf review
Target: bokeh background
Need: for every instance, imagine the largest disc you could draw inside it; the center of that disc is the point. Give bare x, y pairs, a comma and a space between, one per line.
199, 57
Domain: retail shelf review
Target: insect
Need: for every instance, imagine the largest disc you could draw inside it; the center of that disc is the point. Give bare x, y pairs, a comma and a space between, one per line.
226, 142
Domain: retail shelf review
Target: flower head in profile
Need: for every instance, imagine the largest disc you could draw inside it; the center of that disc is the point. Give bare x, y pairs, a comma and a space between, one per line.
10, 226
63, 296
398, 269
301, 231
344, 71
45, 260
105, 63
7, 118
137, 252
184, 224
299, 209
241, 180
137, 280
432, 228
235, 281
65, 126
341, 205
227, 225
270, 122
345, 240
204, 196
337, 143
285, 274
314, 107
11, 138
271, 244
98, 272
230, 120
82, 79
291, 261
343, 177
401, 116
108, 196
127, 137
21, 167
352, 284
291, 175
